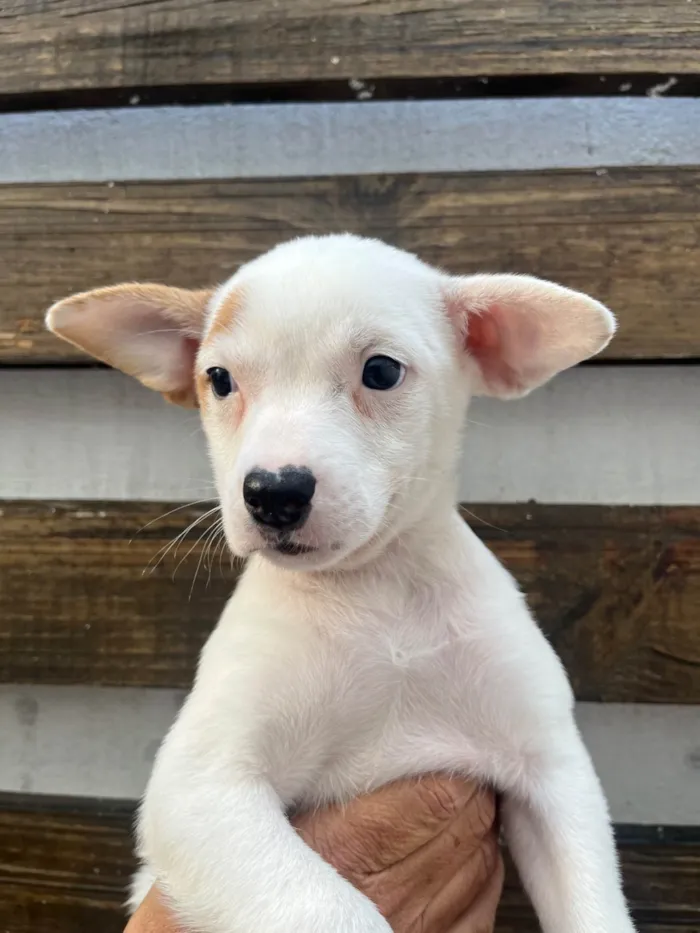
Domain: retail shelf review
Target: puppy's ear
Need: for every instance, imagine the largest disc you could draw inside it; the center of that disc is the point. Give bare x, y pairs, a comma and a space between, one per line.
150, 332
521, 331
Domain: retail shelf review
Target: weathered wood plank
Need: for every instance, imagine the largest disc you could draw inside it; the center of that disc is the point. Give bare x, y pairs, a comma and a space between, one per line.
661, 883
64, 867
84, 600
71, 44
617, 589
630, 237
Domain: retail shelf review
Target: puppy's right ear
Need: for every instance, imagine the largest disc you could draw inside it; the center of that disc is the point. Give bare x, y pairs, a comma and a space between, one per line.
151, 332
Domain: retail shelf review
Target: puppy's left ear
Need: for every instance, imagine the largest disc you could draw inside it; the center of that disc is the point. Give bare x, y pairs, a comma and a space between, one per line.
520, 331
151, 332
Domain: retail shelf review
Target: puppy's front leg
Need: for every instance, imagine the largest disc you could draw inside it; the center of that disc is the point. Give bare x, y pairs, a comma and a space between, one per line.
559, 832
217, 840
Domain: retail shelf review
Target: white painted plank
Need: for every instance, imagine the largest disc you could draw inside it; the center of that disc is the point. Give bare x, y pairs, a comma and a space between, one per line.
615, 436
99, 741
96, 434
648, 758
82, 741
605, 435
286, 140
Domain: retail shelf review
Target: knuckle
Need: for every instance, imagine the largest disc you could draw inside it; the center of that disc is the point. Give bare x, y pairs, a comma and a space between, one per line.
440, 798
356, 851
484, 811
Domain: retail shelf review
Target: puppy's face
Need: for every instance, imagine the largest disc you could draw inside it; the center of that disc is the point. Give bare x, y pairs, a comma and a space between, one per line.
332, 375
331, 392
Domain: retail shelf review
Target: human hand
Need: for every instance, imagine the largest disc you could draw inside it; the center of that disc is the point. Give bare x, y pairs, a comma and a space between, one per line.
424, 850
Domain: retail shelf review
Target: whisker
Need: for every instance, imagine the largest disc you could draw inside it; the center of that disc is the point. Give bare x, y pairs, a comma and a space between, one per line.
179, 508
159, 330
222, 550
163, 551
480, 424
210, 553
483, 520
211, 531
183, 559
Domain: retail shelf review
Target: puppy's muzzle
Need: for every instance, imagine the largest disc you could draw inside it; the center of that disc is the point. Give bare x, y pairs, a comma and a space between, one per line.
279, 501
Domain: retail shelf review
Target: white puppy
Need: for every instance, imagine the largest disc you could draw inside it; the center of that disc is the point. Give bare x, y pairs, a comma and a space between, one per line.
372, 635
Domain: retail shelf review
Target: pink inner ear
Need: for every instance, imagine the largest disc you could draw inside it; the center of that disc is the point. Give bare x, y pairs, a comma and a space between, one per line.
487, 342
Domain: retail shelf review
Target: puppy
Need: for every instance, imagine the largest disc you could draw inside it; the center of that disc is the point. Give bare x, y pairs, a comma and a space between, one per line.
372, 635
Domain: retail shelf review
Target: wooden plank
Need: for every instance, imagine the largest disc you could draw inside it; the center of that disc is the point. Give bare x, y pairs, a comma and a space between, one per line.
617, 589
630, 237
70, 44
64, 867
85, 608
661, 882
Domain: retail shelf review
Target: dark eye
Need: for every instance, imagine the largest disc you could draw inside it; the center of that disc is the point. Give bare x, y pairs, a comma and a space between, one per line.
221, 382
382, 373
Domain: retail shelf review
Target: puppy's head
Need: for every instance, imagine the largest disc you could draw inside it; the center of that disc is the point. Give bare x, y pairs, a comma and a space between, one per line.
332, 375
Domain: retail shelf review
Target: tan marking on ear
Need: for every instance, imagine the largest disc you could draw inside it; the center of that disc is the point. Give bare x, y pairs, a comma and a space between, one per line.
203, 390
223, 319
184, 306
186, 398
123, 324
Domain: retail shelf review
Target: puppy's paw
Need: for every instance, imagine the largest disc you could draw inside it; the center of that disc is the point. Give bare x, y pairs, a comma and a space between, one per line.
338, 912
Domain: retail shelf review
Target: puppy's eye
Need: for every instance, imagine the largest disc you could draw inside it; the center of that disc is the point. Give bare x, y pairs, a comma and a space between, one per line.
221, 382
382, 373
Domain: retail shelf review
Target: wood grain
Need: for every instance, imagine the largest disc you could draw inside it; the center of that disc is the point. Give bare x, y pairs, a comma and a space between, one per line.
65, 864
617, 590
84, 598
72, 44
629, 237
660, 879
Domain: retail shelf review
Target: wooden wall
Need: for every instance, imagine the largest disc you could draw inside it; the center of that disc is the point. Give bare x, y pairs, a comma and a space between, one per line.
173, 140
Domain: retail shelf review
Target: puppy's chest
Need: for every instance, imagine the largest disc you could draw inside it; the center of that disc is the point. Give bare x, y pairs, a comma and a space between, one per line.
384, 691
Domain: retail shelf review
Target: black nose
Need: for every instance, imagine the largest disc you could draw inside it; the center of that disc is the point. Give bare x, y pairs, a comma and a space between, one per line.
280, 500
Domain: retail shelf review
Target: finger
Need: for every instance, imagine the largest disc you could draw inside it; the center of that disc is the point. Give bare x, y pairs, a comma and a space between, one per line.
466, 849
153, 916
480, 917
380, 829
469, 900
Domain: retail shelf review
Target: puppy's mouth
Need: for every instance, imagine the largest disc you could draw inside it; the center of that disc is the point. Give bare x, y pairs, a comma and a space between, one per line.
284, 548
286, 545
291, 548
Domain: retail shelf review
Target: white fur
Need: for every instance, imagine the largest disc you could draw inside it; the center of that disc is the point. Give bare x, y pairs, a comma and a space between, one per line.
400, 646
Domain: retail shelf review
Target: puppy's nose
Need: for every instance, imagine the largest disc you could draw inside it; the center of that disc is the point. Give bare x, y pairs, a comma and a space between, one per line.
280, 500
